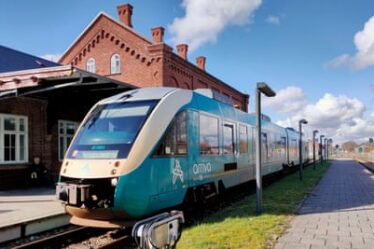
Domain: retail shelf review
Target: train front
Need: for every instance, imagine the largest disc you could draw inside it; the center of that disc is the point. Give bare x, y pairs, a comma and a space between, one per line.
102, 182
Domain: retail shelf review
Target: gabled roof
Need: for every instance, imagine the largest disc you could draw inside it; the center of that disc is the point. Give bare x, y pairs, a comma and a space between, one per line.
93, 22
14, 60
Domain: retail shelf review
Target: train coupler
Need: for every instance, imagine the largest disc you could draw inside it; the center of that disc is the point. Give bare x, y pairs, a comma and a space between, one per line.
159, 231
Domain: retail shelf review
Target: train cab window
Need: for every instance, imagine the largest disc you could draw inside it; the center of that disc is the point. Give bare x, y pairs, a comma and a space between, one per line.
208, 135
243, 139
174, 141
110, 130
228, 139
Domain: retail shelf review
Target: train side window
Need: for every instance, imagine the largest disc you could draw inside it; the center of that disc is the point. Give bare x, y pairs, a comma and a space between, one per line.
243, 139
208, 127
228, 139
174, 141
264, 143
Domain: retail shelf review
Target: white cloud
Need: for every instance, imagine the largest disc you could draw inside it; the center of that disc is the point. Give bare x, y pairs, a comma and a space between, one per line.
339, 117
288, 100
364, 42
205, 19
273, 20
337, 62
52, 57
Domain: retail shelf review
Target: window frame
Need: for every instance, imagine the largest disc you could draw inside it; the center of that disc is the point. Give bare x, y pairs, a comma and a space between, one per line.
219, 131
113, 64
65, 136
233, 136
246, 138
91, 63
167, 131
17, 132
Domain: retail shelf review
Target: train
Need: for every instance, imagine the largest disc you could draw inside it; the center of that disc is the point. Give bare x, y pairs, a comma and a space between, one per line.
151, 149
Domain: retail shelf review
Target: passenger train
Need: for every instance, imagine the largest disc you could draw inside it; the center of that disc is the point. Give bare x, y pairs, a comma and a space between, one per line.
150, 149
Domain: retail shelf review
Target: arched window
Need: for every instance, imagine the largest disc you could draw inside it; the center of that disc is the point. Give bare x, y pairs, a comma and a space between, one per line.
115, 64
91, 65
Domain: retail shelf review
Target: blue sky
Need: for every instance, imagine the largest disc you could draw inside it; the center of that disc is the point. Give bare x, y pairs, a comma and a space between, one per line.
306, 50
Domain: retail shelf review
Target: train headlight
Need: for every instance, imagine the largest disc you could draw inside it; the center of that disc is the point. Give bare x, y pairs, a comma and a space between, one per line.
114, 182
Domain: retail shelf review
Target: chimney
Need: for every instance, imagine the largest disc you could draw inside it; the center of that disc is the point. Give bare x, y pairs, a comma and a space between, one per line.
182, 50
200, 62
158, 34
125, 13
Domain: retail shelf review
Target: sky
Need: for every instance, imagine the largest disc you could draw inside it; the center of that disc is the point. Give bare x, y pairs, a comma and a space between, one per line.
317, 55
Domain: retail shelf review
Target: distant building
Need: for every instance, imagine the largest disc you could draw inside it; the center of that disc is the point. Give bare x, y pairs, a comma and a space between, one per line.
114, 49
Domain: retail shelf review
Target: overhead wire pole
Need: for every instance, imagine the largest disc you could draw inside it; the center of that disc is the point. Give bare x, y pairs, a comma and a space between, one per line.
330, 141
265, 89
325, 139
301, 173
314, 148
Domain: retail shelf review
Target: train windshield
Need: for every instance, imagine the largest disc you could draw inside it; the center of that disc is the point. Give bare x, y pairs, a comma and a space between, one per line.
110, 130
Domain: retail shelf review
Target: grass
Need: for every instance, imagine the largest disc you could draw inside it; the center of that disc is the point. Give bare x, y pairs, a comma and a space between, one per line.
238, 226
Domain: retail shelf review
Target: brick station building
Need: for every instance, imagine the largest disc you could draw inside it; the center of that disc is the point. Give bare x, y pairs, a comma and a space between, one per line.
114, 49
42, 103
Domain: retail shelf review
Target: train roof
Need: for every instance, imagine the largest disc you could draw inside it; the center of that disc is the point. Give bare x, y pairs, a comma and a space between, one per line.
147, 93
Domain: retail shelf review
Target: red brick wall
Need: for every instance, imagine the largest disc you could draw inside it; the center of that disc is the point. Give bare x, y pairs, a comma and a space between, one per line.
13, 176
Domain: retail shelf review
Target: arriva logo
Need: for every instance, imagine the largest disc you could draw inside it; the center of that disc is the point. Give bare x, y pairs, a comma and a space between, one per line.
177, 172
201, 168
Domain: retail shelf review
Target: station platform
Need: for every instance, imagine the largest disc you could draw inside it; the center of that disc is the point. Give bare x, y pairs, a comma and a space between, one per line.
338, 214
28, 211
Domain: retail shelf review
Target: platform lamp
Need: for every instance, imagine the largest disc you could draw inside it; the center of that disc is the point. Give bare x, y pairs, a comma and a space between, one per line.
267, 91
301, 173
330, 141
321, 147
325, 140
314, 148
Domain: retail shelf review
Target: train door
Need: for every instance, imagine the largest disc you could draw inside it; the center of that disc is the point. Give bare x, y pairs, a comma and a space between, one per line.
283, 150
243, 158
264, 153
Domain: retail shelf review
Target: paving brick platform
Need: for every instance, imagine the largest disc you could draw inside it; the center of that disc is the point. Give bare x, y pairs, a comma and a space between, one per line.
29, 211
338, 214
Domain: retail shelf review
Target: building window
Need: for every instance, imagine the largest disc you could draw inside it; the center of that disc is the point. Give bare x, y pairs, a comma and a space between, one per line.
66, 131
208, 135
115, 64
91, 65
13, 139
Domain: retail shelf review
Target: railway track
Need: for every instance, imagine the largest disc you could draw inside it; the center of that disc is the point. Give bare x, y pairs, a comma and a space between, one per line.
82, 237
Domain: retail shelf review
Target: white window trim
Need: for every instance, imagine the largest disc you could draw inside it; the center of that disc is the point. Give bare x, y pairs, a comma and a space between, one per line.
17, 132
113, 68
91, 63
65, 136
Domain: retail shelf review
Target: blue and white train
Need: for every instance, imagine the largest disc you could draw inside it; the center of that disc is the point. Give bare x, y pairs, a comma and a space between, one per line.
150, 149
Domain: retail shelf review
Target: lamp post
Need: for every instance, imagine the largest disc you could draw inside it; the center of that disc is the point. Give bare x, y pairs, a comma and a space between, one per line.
325, 140
267, 91
302, 121
314, 148
321, 148
330, 141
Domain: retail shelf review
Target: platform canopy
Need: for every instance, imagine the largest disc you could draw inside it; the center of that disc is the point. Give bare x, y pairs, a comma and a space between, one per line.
41, 82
